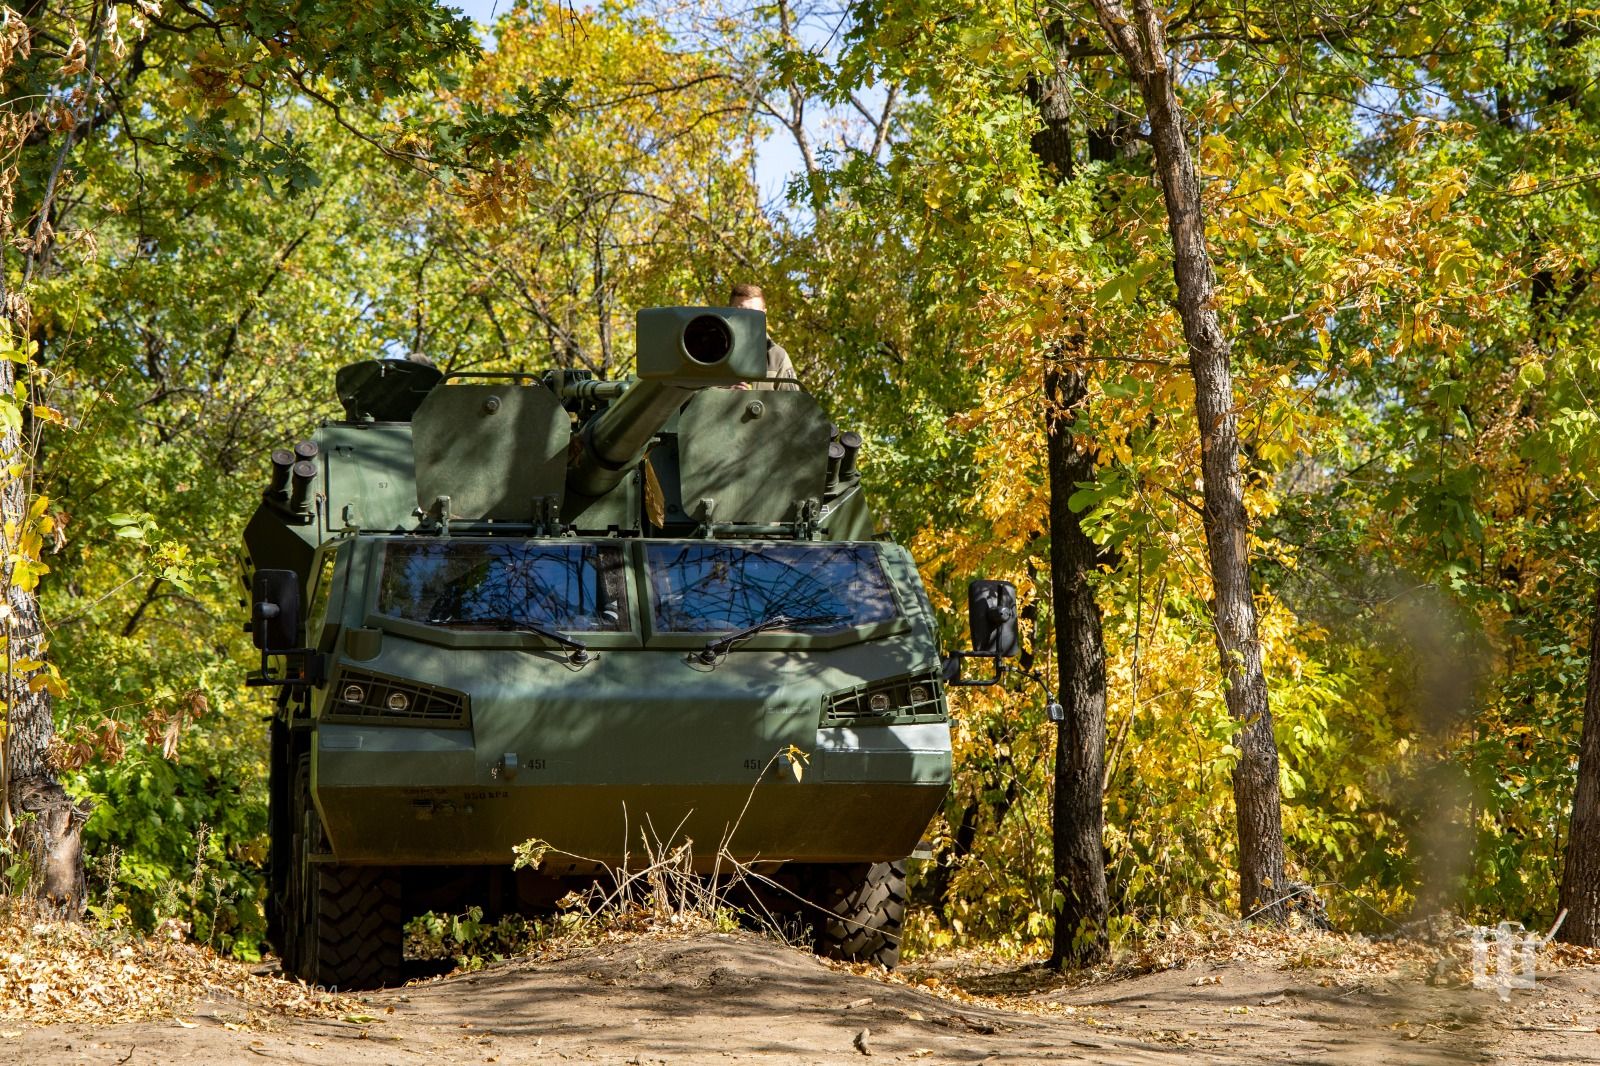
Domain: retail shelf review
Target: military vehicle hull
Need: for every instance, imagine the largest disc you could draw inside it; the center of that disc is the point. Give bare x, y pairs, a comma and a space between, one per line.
609, 618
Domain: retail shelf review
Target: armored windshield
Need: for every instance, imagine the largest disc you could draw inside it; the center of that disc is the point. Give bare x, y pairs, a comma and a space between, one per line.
503, 584
711, 588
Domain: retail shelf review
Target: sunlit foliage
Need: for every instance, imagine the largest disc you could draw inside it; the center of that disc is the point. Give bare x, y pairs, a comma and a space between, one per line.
1402, 206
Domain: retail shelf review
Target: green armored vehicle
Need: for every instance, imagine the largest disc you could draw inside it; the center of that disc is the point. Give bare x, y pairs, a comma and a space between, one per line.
600, 614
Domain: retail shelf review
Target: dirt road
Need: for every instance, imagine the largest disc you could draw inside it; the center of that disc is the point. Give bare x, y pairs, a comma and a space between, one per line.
717, 998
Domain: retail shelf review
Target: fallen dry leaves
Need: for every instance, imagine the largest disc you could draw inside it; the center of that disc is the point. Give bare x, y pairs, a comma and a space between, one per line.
54, 971
1440, 953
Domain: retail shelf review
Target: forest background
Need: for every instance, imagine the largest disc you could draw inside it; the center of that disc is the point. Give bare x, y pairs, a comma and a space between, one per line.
1402, 208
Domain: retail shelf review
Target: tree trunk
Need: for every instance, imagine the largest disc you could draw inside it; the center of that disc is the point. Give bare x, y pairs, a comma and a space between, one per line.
1580, 883
1078, 821
1078, 834
38, 819
1141, 42
1580, 880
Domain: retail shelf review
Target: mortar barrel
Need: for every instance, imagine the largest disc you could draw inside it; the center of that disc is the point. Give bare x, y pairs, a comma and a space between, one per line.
851, 443
612, 440
835, 458
681, 350
304, 473
282, 460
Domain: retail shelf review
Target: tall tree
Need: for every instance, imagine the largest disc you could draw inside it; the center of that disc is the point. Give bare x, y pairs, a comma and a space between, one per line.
1141, 42
1580, 881
70, 72
1078, 826
1553, 297
1078, 808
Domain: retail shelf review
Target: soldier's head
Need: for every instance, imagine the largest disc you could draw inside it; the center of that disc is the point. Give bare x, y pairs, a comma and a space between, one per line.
747, 295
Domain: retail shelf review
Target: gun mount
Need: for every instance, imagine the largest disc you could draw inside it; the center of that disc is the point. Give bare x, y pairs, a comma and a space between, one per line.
681, 350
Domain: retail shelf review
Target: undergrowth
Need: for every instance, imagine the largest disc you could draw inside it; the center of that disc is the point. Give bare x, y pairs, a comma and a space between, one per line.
666, 894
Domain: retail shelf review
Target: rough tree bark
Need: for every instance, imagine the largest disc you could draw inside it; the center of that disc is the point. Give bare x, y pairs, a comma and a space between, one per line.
38, 818
1141, 43
1078, 820
1580, 881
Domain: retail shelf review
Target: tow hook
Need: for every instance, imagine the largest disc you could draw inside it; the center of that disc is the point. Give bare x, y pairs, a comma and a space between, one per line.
506, 768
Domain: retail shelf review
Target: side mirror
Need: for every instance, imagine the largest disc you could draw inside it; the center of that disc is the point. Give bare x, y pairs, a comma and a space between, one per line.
992, 614
275, 616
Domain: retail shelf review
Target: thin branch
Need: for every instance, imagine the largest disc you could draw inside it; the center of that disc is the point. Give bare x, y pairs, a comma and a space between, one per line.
416, 160
41, 231
231, 340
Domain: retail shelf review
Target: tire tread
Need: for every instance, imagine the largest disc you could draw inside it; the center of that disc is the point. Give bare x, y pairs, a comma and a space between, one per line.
864, 907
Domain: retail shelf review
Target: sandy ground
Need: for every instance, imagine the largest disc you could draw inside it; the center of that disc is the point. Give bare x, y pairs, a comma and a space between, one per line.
715, 998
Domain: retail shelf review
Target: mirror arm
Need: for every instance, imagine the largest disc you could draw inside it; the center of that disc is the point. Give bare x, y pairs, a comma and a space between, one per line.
1052, 703
977, 682
313, 667
1052, 708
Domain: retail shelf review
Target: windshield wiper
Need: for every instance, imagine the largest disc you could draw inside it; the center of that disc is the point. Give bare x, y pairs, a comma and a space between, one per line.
549, 634
579, 650
716, 647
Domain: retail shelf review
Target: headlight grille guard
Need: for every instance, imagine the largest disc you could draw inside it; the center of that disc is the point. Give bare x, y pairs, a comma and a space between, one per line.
915, 697
394, 701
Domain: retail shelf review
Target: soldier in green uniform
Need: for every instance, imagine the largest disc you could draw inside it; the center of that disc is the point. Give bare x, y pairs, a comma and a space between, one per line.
778, 364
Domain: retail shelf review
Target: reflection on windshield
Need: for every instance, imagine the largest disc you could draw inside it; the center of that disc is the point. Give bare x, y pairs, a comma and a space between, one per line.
710, 588
504, 584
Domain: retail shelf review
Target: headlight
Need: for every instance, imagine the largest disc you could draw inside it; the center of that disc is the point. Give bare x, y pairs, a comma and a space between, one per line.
398, 702
353, 694
878, 702
919, 694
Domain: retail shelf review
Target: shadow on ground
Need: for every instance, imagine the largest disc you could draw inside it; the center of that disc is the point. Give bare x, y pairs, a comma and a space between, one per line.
715, 998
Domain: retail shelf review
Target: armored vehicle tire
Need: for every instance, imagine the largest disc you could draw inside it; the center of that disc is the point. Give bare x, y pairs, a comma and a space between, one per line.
343, 929
864, 905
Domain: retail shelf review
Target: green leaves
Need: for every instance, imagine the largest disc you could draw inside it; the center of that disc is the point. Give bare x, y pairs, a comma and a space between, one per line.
365, 52
481, 131
1125, 287
126, 526
281, 187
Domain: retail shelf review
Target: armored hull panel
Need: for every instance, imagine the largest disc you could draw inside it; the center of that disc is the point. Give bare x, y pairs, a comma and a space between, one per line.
591, 828
450, 741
